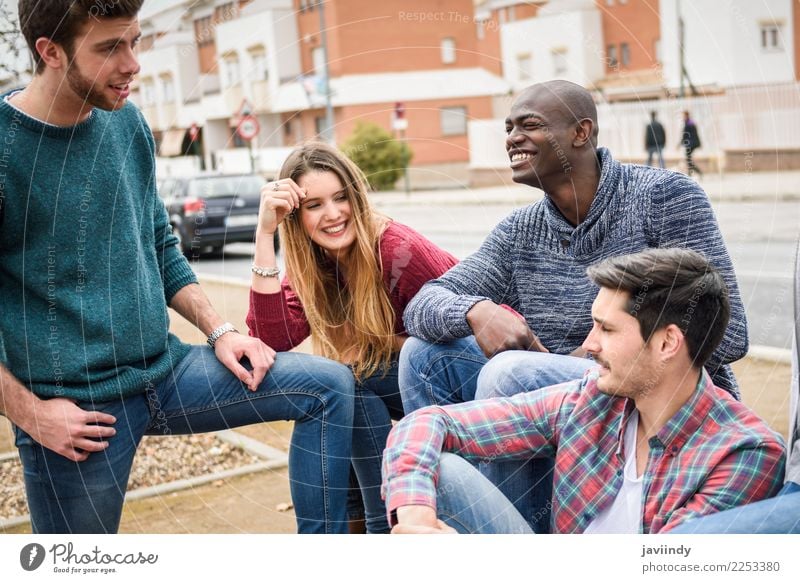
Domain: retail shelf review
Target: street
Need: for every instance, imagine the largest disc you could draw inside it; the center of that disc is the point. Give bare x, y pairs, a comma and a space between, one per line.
761, 238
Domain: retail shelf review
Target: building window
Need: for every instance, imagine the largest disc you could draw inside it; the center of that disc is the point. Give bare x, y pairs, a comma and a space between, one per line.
232, 72
320, 124
448, 51
225, 12
657, 50
771, 37
609, 2
481, 30
203, 31
524, 67
454, 121
147, 92
167, 89
512, 13
611, 56
559, 62
259, 58
318, 60
624, 55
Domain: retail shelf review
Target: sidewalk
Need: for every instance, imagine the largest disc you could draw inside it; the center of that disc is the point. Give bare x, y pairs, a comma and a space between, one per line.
749, 186
248, 504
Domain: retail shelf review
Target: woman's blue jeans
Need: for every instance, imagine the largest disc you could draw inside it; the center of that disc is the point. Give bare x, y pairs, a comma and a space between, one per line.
202, 395
442, 374
377, 402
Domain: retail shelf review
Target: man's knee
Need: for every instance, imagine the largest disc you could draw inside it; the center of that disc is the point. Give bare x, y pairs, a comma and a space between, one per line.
506, 374
519, 371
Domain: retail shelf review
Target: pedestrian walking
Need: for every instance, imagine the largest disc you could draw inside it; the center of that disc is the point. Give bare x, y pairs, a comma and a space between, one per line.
655, 138
690, 141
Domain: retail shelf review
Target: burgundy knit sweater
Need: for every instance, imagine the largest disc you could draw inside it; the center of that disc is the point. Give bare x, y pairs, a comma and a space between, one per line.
408, 260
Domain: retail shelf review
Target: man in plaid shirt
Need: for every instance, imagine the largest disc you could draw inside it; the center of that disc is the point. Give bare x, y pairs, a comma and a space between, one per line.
642, 443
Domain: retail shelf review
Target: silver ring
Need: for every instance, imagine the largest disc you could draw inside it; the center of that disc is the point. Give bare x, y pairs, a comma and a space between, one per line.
275, 186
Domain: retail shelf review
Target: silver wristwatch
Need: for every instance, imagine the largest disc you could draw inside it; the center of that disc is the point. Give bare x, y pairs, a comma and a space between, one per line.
218, 332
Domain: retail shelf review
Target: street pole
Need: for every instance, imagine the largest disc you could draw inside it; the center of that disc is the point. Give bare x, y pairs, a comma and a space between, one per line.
680, 48
328, 133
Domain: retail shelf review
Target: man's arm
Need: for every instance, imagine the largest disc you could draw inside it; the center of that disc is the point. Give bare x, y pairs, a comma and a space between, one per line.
192, 303
683, 217
745, 475
465, 300
519, 427
58, 424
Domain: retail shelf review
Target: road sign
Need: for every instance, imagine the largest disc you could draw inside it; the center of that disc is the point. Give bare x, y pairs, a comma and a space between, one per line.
248, 127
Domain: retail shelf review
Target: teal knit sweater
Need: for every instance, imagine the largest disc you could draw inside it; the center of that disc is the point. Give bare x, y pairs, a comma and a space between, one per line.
88, 263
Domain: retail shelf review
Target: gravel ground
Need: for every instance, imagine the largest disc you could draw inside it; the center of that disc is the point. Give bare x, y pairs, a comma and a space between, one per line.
158, 461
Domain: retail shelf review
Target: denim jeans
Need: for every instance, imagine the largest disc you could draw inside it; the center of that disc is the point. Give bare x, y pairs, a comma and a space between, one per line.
377, 402
653, 151
471, 504
778, 515
201, 395
451, 373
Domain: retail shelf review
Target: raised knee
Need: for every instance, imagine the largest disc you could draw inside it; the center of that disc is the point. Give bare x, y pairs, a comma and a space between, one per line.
501, 376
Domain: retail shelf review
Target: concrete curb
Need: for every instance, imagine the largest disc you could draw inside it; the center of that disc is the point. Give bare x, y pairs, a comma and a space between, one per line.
274, 459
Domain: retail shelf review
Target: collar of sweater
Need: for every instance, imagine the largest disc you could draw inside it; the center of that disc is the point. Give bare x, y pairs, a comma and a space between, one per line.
610, 176
20, 118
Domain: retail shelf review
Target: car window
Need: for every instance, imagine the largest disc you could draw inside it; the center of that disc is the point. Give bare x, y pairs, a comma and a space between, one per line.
218, 186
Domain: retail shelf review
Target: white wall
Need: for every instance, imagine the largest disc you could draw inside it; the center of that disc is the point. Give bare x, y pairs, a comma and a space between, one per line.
276, 31
723, 42
576, 29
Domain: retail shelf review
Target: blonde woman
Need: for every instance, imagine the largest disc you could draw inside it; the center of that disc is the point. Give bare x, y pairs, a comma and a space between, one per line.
350, 274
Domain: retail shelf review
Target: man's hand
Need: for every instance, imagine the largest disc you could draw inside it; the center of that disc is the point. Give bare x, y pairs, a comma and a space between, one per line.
497, 329
60, 425
230, 348
419, 520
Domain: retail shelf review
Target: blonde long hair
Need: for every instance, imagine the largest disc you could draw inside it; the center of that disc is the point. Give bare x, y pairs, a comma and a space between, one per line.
354, 322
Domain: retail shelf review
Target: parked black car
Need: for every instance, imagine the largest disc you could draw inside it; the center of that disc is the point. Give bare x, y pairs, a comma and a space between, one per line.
208, 211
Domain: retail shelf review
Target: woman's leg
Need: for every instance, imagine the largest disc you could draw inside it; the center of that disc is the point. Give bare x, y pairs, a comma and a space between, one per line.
377, 402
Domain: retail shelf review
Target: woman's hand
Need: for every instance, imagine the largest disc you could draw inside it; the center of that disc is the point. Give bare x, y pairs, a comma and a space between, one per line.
278, 199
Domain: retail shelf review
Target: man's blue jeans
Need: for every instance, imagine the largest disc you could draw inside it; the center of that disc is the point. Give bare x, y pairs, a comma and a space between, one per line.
442, 374
778, 515
202, 395
471, 504
377, 402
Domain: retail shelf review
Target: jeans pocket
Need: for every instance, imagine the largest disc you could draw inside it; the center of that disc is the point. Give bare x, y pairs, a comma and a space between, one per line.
21, 438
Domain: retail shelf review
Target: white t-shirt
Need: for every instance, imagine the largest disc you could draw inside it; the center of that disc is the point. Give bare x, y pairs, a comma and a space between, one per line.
624, 516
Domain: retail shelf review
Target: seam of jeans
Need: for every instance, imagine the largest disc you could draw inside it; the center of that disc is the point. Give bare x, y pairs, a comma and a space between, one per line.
221, 404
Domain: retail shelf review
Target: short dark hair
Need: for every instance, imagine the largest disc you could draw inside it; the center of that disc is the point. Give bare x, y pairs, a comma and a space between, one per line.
61, 20
671, 286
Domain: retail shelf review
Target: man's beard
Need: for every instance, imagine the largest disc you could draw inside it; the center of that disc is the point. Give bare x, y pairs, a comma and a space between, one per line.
88, 91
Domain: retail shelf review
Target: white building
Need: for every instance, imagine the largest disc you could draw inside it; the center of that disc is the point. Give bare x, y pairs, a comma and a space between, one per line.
728, 42
564, 41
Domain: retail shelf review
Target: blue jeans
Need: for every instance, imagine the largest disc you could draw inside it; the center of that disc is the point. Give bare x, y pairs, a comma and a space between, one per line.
471, 504
377, 402
450, 373
201, 395
778, 515
651, 153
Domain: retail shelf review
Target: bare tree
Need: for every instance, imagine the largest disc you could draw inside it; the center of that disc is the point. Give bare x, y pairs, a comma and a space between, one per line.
15, 63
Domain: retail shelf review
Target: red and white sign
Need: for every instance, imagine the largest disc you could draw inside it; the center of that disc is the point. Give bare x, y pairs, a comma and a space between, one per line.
248, 127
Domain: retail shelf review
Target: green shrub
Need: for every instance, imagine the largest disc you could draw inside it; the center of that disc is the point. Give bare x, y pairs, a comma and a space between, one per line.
381, 158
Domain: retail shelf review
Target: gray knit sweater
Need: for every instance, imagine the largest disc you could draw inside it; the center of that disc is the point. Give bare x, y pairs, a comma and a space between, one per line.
535, 261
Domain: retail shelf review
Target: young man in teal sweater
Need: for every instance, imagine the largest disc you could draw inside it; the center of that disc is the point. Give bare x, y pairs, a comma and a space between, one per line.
88, 266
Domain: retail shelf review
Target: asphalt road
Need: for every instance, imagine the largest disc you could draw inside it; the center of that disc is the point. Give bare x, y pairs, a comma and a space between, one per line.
761, 238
